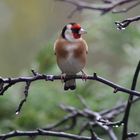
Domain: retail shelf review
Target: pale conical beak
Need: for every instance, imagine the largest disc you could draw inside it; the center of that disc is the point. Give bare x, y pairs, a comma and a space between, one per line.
82, 31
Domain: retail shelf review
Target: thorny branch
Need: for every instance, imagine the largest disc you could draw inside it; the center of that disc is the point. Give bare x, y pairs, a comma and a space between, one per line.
123, 24
106, 7
103, 8
94, 119
124, 121
25, 98
41, 132
126, 135
6, 83
75, 114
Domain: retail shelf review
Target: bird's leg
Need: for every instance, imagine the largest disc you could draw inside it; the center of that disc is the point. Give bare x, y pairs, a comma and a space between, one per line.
84, 75
63, 76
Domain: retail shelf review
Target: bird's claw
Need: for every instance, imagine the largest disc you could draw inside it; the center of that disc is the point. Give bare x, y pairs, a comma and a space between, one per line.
84, 76
63, 76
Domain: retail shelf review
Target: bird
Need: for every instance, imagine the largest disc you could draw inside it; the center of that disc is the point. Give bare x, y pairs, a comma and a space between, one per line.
71, 53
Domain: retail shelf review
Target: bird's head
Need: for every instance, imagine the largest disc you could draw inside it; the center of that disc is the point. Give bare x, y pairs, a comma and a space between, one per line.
72, 32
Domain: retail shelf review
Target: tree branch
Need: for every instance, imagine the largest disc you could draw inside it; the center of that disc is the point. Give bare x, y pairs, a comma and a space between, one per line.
6, 83
124, 121
126, 9
129, 103
100, 119
74, 115
41, 132
107, 6
123, 24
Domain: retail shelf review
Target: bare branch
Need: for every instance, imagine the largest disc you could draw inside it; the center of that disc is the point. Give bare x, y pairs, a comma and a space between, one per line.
101, 119
25, 98
62, 122
41, 132
107, 6
6, 83
129, 104
123, 24
75, 114
93, 116
126, 9
124, 121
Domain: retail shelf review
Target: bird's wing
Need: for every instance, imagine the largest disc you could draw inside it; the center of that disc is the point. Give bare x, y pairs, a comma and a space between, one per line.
59, 47
85, 44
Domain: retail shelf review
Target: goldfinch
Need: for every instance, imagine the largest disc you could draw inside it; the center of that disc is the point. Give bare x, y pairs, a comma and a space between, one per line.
71, 52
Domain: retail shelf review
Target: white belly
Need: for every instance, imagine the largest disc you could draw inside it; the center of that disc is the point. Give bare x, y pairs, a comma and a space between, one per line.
70, 65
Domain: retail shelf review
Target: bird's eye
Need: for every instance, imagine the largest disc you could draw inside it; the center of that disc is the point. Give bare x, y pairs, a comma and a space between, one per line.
75, 30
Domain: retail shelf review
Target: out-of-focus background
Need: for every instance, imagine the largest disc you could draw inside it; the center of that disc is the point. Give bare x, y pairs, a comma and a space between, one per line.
28, 30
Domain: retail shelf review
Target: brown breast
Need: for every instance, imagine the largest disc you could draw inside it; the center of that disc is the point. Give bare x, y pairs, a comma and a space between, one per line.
61, 51
59, 48
81, 52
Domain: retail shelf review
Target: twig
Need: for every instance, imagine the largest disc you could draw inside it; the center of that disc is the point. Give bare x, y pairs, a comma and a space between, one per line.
126, 9
124, 121
123, 24
83, 102
92, 116
10, 82
129, 103
107, 6
74, 113
101, 119
6, 83
71, 116
93, 135
41, 132
25, 98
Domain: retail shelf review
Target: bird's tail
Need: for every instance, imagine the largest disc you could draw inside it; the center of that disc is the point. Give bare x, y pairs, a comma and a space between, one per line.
70, 84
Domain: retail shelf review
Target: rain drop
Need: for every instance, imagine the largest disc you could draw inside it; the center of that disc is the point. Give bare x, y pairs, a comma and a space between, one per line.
120, 28
122, 124
116, 126
17, 113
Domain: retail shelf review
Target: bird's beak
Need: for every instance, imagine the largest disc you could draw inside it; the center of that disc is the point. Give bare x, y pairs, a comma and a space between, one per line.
82, 31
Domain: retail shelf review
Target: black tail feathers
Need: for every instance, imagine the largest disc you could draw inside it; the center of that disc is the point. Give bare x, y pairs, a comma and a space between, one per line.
70, 84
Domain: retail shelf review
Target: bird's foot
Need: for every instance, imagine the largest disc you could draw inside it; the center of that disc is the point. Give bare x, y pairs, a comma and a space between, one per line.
84, 76
63, 76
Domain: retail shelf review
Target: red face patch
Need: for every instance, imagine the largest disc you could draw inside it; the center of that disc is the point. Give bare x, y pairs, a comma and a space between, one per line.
75, 30
76, 35
76, 26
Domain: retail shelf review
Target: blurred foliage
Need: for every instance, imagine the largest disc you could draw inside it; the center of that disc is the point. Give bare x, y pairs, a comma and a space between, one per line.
112, 54
46, 58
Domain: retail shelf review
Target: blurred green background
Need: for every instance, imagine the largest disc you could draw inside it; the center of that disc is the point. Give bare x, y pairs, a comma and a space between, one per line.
28, 29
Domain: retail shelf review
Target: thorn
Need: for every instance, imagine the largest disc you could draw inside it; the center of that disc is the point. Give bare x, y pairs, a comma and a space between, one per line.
15, 132
1, 84
9, 80
115, 90
39, 130
33, 72
95, 75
